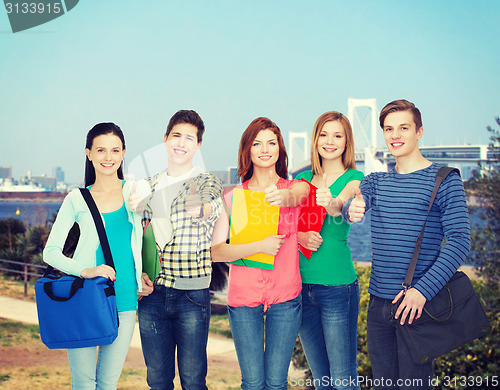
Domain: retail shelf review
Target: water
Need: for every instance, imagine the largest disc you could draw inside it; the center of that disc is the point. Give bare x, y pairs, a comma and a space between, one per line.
360, 240
31, 213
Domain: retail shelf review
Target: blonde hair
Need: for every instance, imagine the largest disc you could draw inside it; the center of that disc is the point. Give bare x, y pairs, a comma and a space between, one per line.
348, 159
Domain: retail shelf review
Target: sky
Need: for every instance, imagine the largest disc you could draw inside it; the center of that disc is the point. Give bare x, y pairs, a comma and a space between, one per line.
137, 63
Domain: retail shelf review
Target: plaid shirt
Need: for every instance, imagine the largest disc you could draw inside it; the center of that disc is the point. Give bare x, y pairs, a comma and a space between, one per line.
187, 254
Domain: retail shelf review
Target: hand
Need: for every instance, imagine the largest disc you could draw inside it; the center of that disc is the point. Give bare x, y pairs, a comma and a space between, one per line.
136, 199
193, 203
147, 285
101, 270
310, 240
323, 194
271, 244
357, 207
272, 194
412, 305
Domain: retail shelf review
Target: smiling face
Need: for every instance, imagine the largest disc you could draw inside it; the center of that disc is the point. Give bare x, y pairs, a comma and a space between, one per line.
182, 144
331, 140
401, 133
264, 151
106, 154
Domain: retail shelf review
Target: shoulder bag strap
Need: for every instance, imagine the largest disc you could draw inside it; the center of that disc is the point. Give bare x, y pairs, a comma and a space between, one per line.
441, 174
99, 226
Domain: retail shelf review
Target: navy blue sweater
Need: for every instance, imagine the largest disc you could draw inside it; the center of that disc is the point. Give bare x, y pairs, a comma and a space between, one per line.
399, 205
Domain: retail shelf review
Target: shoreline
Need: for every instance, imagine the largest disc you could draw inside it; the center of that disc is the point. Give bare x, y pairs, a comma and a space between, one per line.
32, 197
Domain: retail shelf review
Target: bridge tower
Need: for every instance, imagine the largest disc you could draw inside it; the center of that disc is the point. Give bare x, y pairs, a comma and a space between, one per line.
366, 139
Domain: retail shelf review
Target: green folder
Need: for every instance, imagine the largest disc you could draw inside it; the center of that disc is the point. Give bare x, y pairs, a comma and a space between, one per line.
150, 260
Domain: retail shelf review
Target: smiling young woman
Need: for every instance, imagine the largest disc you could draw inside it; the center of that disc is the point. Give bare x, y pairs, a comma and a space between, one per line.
264, 306
330, 291
105, 148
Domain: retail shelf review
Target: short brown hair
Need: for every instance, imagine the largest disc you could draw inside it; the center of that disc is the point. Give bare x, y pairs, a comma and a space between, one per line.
245, 166
401, 105
348, 159
190, 117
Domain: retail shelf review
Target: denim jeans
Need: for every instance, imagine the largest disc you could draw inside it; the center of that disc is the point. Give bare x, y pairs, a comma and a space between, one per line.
171, 319
329, 334
264, 342
389, 354
103, 373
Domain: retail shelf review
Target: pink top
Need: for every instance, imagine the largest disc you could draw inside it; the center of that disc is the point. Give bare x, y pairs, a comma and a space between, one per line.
250, 286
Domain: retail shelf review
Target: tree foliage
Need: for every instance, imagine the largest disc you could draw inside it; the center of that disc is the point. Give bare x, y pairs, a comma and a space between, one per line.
10, 230
485, 251
21, 243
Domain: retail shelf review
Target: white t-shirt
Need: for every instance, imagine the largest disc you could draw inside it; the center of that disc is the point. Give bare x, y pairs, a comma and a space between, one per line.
166, 191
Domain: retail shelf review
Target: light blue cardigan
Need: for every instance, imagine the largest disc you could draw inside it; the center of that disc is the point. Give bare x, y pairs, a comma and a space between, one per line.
74, 209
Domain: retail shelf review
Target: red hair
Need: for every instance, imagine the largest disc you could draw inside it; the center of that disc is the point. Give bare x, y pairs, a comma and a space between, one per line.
245, 166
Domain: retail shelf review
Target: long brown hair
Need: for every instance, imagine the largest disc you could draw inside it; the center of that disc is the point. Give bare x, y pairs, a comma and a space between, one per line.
245, 166
348, 159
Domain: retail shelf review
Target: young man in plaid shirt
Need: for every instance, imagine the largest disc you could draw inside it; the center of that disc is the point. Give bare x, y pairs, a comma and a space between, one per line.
182, 204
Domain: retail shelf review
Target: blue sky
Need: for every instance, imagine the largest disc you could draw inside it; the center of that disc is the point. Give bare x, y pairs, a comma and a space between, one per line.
137, 63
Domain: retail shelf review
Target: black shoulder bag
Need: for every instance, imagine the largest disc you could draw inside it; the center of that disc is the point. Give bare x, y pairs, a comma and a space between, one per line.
452, 318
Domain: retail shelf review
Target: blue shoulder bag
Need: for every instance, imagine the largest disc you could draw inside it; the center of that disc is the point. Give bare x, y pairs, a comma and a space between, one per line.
74, 312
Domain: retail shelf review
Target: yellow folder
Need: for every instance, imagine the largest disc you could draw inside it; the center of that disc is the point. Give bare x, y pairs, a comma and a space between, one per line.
252, 219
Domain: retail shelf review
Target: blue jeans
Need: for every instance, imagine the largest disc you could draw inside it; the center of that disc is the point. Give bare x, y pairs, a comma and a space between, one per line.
264, 351
329, 334
103, 373
389, 354
171, 319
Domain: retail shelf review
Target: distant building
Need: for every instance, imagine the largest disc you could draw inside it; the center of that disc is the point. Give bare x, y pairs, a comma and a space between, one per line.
223, 175
44, 181
233, 175
5, 172
58, 173
228, 177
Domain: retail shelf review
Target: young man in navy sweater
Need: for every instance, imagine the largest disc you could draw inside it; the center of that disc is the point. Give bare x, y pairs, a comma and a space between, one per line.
399, 201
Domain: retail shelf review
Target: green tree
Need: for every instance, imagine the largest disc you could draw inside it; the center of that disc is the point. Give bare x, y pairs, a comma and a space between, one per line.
32, 243
485, 250
10, 230
21, 244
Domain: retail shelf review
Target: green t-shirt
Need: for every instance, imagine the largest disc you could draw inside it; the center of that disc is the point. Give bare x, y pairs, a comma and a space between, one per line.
331, 264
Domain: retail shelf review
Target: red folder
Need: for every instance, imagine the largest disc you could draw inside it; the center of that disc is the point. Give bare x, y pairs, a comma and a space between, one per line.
311, 217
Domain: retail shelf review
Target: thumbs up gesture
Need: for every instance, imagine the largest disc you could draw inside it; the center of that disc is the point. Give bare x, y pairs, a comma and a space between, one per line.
193, 203
139, 193
272, 194
323, 194
357, 207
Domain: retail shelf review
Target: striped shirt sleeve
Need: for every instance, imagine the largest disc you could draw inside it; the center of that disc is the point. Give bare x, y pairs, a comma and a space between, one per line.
455, 226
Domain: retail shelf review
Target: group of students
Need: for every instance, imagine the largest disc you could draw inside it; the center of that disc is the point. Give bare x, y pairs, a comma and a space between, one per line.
316, 298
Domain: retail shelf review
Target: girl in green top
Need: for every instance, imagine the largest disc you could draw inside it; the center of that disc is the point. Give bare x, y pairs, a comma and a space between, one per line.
330, 291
